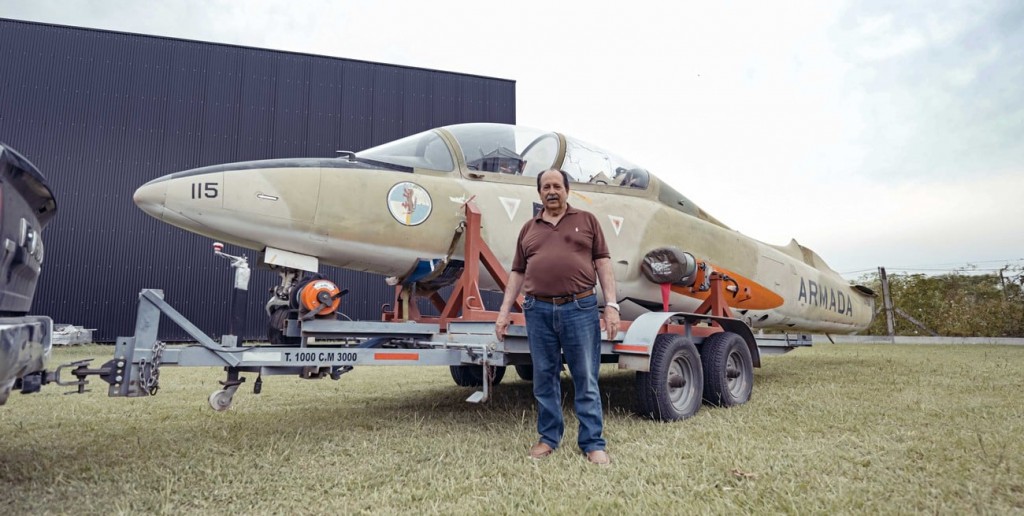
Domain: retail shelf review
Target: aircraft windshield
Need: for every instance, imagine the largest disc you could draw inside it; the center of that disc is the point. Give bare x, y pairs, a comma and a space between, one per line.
509, 149
423, 150
586, 163
506, 149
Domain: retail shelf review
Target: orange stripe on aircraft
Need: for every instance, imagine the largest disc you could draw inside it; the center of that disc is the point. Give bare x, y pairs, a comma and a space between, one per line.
751, 295
630, 347
396, 356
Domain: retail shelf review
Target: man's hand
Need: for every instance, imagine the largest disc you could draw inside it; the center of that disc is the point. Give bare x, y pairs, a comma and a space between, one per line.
501, 325
611, 321
515, 284
607, 279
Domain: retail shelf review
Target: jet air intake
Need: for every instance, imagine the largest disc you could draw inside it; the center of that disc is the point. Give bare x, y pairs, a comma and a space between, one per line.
669, 266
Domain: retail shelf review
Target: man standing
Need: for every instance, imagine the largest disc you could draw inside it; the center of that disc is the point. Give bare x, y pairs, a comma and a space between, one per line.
560, 255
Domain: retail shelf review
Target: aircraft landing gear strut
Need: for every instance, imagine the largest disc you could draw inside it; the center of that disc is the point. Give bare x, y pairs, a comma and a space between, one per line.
278, 309
300, 298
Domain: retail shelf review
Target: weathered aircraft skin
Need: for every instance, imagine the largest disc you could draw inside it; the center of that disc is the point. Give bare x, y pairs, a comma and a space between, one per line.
383, 209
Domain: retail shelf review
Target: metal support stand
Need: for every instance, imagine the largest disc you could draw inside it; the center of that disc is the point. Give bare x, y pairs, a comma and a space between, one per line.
464, 303
485, 394
715, 304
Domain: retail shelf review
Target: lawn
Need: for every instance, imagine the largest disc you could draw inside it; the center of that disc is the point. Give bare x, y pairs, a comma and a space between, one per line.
829, 429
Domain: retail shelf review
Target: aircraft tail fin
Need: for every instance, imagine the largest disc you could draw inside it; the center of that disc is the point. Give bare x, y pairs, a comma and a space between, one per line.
794, 249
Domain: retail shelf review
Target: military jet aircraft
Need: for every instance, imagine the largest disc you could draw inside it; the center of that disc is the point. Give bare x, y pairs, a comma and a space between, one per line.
395, 210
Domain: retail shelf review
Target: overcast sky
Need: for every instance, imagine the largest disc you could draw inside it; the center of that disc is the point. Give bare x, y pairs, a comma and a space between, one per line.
875, 133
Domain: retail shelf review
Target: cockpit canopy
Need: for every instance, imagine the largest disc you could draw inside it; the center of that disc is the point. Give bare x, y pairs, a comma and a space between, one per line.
504, 149
521, 150
423, 150
509, 149
500, 160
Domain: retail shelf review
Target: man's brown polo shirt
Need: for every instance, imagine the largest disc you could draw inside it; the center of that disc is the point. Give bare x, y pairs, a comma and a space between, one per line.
558, 260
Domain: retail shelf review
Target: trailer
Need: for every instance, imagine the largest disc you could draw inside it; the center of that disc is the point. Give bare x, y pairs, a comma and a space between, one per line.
681, 359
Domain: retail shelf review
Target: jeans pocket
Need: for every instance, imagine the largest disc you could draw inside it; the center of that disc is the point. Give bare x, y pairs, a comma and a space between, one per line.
528, 302
587, 303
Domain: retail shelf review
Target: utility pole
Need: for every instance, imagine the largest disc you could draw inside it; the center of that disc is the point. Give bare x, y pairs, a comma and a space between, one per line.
1002, 282
890, 322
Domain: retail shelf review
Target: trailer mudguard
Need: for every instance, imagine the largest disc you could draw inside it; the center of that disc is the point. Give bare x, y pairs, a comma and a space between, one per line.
640, 336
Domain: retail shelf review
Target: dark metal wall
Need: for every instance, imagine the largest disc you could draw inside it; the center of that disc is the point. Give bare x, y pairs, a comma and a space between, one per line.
101, 113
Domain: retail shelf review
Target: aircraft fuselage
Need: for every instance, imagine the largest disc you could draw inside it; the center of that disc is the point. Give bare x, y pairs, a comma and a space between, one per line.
383, 210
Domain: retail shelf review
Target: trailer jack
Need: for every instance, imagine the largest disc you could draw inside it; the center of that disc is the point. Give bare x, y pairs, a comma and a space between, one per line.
221, 400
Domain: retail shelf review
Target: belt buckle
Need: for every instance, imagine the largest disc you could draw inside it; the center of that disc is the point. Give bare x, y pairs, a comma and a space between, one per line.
570, 298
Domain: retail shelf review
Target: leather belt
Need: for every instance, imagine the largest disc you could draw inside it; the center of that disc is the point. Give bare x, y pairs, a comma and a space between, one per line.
561, 300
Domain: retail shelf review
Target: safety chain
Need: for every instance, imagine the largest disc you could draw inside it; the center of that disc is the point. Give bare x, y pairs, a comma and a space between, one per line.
149, 371
491, 370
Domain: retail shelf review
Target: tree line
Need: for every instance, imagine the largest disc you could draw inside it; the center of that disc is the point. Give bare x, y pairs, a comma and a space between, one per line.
962, 303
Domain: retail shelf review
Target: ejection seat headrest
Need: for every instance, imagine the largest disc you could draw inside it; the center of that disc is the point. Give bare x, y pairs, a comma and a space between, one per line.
670, 265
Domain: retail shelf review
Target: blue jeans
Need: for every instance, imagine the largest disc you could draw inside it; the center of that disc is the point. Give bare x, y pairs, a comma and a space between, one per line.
575, 330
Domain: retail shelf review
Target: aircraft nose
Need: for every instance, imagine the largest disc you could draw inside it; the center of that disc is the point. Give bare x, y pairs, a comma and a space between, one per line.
151, 197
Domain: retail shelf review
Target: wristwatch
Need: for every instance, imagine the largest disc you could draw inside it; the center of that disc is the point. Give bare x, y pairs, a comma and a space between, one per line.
614, 305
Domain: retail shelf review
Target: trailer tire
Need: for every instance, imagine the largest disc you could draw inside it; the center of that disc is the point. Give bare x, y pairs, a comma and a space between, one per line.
728, 370
673, 388
472, 375
221, 400
275, 330
525, 372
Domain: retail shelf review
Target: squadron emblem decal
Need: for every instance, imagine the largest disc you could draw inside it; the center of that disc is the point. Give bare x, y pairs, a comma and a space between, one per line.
616, 223
511, 206
409, 203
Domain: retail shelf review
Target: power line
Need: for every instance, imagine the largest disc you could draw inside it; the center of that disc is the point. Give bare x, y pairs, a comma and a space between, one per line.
955, 265
860, 271
965, 267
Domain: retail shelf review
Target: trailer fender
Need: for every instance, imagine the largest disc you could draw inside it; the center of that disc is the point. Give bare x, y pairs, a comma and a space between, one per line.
635, 348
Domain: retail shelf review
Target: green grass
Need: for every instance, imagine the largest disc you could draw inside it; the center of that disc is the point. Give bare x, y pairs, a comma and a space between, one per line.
829, 430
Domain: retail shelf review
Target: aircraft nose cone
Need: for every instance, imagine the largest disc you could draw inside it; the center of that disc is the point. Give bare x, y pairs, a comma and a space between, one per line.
150, 197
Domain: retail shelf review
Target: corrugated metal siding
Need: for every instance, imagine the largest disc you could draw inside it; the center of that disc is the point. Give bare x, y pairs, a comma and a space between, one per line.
101, 113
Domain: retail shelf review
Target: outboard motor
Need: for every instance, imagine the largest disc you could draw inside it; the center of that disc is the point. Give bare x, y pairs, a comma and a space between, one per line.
669, 266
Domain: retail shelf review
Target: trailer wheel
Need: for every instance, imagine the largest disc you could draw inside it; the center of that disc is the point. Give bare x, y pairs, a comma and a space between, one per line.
728, 369
275, 330
525, 372
472, 375
672, 390
221, 400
